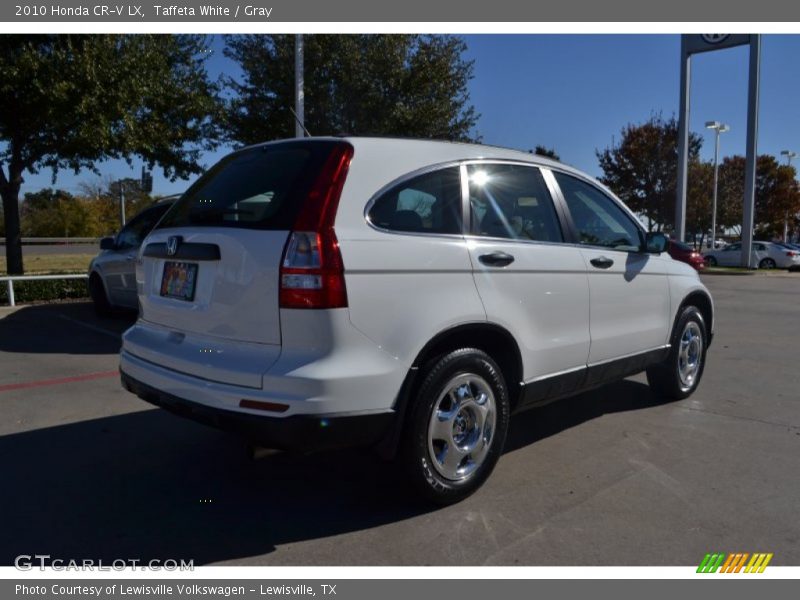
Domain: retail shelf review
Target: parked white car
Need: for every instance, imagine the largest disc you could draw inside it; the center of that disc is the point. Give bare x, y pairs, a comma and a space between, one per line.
406, 294
765, 255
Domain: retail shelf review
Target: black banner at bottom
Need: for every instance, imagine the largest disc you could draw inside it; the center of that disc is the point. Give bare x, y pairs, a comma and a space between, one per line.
394, 589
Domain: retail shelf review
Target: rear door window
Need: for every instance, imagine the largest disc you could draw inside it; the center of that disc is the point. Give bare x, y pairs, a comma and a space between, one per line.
257, 188
511, 201
428, 203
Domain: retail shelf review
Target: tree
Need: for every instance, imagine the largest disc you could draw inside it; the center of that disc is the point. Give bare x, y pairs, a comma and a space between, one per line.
643, 168
69, 101
777, 195
699, 198
104, 198
402, 85
55, 213
548, 152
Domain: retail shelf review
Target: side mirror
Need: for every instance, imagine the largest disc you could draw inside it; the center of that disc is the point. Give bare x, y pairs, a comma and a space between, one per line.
655, 243
107, 243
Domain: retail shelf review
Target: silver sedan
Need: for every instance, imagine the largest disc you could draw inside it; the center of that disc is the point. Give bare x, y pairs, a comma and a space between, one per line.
765, 255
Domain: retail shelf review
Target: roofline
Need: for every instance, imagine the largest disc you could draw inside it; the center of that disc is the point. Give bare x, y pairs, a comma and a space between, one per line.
527, 156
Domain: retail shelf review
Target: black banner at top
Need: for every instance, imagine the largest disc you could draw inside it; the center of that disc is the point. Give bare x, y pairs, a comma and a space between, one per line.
441, 11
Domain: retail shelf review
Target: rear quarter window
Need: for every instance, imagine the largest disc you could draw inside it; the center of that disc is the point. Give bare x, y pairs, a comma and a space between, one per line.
427, 203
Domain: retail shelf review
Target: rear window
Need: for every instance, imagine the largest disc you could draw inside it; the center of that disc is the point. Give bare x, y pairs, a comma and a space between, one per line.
258, 188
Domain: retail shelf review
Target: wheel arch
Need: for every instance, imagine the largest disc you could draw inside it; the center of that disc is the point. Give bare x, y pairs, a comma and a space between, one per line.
702, 300
97, 273
493, 339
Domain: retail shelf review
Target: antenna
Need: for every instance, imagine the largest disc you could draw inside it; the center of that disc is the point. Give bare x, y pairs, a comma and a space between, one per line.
299, 122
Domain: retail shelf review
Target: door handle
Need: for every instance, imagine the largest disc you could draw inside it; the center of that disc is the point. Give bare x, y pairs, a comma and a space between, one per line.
496, 259
130, 257
602, 262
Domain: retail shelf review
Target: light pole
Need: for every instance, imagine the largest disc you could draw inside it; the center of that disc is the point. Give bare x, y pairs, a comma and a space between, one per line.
719, 128
789, 156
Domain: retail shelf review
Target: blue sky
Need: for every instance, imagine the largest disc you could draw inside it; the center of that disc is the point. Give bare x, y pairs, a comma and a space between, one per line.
575, 92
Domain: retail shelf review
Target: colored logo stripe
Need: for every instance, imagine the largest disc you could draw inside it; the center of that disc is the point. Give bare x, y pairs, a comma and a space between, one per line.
734, 562
711, 563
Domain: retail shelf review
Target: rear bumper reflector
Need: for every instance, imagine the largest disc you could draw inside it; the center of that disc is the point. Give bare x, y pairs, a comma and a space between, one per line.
268, 406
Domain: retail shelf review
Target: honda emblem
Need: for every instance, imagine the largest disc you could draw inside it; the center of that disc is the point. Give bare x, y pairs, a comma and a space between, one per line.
172, 244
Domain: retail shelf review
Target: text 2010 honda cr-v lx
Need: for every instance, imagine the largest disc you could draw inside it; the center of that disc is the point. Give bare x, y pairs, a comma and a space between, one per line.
406, 294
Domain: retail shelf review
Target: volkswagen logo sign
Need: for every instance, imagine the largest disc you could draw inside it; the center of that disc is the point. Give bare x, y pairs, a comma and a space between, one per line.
715, 38
173, 242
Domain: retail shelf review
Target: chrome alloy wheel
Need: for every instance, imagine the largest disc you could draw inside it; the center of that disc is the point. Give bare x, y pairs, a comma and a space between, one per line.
690, 354
461, 426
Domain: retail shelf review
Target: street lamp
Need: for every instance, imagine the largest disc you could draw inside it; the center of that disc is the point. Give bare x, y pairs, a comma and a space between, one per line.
719, 128
789, 156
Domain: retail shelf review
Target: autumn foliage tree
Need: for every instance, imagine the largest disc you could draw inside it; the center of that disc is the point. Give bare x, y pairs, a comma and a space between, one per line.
777, 195
56, 213
642, 168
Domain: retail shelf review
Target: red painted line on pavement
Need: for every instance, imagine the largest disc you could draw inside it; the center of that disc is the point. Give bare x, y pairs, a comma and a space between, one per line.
45, 382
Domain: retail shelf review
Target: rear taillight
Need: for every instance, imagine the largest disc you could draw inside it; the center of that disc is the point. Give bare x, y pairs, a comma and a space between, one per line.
312, 271
791, 253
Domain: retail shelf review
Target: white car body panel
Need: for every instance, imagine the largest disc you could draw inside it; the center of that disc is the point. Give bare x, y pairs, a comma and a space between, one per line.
544, 279
402, 288
630, 304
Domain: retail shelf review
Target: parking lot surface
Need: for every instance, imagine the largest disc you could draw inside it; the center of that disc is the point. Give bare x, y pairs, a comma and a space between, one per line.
610, 477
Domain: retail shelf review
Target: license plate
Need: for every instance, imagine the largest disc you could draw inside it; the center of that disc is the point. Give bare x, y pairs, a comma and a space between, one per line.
179, 280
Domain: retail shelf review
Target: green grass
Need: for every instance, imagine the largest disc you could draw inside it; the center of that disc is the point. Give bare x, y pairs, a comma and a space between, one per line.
42, 264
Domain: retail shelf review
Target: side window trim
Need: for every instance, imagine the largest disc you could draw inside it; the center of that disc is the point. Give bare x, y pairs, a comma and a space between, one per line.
466, 212
567, 224
574, 230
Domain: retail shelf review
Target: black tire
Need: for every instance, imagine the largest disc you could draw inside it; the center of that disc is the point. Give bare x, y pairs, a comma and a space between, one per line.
767, 263
425, 456
668, 380
102, 306
711, 261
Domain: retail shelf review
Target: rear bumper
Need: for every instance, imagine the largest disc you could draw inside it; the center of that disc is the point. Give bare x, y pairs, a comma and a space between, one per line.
300, 433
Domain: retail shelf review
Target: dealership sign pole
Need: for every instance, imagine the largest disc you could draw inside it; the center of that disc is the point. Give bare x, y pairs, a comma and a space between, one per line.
693, 44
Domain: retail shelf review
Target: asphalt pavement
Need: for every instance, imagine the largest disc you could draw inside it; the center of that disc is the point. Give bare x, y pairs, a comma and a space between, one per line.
610, 477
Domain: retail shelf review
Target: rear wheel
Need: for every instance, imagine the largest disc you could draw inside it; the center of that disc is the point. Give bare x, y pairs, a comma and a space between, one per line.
711, 261
678, 376
767, 263
98, 294
457, 427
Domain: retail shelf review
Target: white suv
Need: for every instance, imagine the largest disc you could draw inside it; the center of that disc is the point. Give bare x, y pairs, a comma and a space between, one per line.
406, 294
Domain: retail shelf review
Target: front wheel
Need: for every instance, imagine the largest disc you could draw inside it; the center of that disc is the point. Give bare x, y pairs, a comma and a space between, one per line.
457, 426
711, 261
678, 376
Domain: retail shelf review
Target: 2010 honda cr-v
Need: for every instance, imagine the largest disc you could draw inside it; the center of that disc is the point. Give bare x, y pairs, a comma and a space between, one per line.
407, 294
